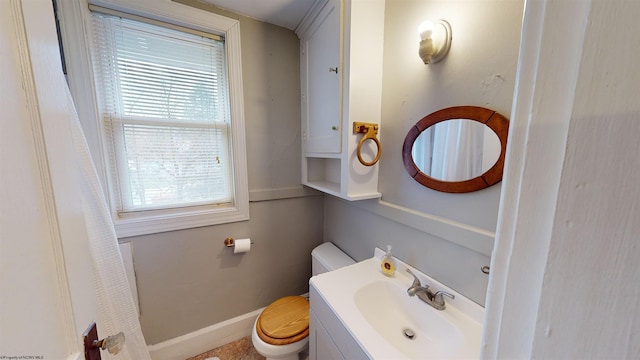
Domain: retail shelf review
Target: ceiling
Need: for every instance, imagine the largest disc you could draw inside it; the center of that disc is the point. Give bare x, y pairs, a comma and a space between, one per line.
285, 13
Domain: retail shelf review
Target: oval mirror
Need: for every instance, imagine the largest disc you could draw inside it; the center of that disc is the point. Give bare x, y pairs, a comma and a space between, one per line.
458, 149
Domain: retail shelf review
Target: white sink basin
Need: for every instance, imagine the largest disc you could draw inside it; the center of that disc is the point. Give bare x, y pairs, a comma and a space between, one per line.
389, 324
405, 323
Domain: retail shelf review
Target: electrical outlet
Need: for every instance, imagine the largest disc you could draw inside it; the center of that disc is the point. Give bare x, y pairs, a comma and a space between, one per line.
90, 336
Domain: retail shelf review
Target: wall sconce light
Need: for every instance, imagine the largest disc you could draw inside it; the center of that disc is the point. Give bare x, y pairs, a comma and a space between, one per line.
435, 40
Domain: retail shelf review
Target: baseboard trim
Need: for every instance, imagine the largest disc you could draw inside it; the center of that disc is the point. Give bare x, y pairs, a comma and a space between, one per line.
205, 339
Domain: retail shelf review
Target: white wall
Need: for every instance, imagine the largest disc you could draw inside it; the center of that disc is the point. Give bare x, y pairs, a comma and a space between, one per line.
29, 293
47, 296
570, 291
448, 236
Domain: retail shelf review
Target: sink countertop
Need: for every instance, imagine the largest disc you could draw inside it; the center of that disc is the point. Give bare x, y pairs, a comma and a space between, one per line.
338, 289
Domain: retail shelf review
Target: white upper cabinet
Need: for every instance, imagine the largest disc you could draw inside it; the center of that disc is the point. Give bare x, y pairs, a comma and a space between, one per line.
341, 43
320, 52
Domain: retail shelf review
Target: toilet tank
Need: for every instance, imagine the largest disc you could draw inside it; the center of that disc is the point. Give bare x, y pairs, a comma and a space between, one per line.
326, 257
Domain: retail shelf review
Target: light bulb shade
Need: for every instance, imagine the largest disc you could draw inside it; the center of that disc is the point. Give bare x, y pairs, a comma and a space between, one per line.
425, 29
435, 41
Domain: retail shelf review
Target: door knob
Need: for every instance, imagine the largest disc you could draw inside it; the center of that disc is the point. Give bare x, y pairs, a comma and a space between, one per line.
113, 344
92, 346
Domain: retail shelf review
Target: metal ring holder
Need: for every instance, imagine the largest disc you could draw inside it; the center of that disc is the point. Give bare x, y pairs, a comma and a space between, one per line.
370, 132
228, 242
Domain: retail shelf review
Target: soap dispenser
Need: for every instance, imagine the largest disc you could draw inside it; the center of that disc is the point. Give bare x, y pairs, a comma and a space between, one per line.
387, 264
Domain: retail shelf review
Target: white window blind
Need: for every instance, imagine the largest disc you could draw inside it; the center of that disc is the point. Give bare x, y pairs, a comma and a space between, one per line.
163, 98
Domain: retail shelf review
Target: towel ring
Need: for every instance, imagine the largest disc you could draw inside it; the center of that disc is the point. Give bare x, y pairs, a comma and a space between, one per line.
370, 131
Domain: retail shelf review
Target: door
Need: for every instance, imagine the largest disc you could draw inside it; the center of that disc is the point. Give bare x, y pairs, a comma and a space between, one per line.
47, 297
322, 125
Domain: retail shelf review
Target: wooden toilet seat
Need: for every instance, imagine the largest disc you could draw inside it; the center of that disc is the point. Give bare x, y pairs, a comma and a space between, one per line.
285, 321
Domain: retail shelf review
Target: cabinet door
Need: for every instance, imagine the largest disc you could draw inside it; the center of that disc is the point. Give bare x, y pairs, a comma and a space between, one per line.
322, 123
321, 347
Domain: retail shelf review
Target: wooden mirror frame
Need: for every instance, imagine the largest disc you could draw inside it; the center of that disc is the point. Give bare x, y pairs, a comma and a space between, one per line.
494, 120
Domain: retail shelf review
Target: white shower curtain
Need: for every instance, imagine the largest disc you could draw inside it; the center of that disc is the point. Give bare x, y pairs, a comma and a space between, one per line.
457, 150
422, 151
116, 308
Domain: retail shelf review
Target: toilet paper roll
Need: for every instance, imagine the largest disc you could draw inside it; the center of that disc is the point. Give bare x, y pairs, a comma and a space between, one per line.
241, 246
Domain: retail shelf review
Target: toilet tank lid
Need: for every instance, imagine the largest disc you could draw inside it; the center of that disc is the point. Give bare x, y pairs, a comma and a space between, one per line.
330, 256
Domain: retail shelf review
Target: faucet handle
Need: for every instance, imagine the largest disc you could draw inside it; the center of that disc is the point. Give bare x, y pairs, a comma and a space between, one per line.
438, 299
416, 281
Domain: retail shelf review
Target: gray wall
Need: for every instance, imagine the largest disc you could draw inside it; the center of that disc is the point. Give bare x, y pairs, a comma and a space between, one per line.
357, 231
187, 279
479, 70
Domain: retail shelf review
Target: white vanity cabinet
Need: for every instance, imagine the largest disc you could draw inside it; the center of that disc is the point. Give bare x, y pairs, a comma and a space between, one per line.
341, 83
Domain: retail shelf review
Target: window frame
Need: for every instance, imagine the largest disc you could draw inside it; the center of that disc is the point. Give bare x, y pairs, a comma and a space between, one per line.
75, 24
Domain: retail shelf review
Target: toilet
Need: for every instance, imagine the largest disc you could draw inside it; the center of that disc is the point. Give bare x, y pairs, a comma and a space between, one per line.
281, 331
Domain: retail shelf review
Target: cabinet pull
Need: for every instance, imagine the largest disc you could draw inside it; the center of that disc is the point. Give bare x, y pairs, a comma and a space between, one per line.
335, 69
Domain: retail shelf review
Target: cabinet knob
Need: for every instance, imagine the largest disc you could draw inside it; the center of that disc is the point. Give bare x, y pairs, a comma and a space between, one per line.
335, 69
334, 128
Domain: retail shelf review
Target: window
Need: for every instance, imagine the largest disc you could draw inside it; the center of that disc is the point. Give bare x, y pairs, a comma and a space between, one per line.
172, 129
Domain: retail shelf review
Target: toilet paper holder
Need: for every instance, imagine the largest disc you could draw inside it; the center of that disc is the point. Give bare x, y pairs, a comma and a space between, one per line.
229, 242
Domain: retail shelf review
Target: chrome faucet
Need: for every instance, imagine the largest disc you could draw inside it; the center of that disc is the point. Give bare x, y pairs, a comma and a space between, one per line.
423, 293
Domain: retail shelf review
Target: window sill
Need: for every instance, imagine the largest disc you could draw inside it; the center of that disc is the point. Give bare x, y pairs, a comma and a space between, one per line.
145, 224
